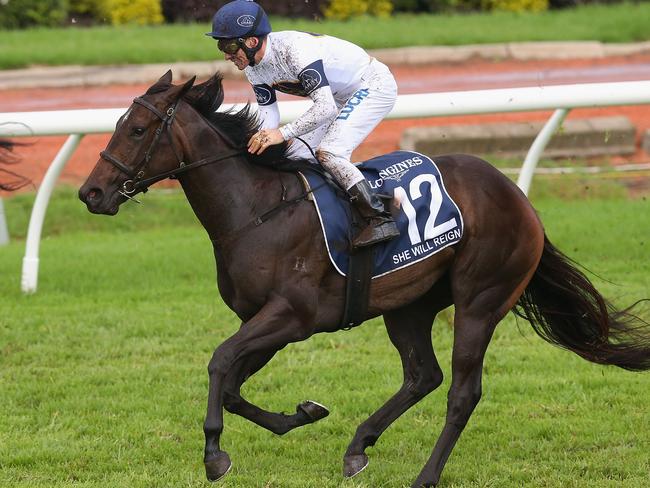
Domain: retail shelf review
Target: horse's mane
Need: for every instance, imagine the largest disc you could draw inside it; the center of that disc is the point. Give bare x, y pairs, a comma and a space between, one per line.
18, 181
238, 126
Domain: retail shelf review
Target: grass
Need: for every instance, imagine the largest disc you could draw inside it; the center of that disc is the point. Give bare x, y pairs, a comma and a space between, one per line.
103, 371
171, 43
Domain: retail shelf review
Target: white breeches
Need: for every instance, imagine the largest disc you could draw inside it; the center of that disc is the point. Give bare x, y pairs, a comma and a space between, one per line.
356, 119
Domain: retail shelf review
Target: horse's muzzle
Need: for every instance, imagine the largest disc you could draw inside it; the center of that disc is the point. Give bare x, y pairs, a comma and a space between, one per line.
97, 201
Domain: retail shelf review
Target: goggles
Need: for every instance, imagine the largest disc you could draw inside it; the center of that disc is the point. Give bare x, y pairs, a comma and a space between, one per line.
228, 46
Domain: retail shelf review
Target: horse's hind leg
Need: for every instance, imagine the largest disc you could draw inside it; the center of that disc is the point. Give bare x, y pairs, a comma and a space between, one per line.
471, 337
474, 322
409, 329
307, 412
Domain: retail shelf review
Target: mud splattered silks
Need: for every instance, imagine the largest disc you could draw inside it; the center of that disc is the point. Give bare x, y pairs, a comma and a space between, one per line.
351, 93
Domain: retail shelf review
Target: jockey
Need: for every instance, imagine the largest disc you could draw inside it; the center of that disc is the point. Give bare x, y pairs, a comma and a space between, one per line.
352, 92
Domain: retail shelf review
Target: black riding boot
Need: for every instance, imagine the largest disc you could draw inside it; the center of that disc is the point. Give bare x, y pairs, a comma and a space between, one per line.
381, 226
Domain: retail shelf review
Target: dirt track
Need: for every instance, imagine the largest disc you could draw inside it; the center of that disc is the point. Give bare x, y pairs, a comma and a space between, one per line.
444, 77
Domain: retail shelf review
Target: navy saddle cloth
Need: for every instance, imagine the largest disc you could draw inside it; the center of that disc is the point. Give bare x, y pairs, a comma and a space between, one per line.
428, 219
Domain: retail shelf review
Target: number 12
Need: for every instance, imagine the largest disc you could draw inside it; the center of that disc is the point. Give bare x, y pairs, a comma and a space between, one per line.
430, 229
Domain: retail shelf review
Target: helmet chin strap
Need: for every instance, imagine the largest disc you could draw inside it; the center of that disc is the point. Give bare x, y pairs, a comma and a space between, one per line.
250, 52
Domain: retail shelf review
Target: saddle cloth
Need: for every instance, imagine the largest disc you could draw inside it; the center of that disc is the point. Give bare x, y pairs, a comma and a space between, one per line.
427, 218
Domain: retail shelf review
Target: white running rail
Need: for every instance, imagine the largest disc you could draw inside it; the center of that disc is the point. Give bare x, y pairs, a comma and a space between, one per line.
560, 98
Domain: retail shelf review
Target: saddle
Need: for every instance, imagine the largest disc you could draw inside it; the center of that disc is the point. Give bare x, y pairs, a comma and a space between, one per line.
361, 260
428, 221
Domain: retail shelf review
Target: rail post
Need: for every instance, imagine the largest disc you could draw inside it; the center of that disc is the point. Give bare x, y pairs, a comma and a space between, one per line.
29, 278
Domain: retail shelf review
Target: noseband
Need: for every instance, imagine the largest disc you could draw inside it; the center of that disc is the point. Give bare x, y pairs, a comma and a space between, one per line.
136, 182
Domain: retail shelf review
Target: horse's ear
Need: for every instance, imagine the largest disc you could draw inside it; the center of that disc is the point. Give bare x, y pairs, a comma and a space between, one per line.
209, 92
166, 78
187, 86
164, 83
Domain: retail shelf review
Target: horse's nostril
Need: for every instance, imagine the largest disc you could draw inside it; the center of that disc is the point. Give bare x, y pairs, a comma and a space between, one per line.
94, 194
91, 195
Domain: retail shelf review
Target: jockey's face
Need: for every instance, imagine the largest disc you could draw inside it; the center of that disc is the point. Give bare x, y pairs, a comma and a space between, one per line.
238, 58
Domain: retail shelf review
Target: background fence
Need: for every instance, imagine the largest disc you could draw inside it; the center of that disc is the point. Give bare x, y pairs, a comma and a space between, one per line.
560, 98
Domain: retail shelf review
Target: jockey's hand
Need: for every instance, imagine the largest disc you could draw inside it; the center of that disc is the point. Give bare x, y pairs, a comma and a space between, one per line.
263, 139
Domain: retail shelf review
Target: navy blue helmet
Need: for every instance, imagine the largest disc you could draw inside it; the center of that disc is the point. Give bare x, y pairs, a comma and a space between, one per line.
240, 19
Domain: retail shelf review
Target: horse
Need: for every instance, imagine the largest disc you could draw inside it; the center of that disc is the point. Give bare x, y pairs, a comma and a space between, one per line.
6, 147
274, 272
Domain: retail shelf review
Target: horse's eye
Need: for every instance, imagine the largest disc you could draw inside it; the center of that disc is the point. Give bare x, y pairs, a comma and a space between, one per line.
137, 131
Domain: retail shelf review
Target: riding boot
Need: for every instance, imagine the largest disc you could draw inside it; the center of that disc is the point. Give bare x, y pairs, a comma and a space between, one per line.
381, 226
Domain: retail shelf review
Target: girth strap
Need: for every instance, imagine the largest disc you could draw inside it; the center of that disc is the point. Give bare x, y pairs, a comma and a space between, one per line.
357, 287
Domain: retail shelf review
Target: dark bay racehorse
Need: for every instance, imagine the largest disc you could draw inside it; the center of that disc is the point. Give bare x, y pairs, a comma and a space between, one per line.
277, 278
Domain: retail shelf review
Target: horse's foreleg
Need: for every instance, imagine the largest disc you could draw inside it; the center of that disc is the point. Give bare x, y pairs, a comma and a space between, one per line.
307, 412
409, 330
272, 328
471, 338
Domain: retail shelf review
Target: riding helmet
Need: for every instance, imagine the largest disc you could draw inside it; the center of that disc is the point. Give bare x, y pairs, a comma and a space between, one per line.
240, 19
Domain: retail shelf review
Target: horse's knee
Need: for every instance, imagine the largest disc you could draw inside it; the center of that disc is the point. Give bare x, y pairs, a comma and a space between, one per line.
221, 361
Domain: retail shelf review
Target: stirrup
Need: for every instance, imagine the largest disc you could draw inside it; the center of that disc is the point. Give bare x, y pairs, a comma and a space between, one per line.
378, 230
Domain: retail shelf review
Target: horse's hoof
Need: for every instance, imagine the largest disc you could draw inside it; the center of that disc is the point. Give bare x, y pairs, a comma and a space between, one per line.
422, 484
315, 411
216, 467
353, 465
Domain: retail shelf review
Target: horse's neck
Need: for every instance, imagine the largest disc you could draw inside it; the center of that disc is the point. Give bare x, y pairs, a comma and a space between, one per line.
226, 195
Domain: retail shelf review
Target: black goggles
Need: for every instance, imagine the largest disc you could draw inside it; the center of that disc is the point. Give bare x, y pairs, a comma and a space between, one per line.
228, 46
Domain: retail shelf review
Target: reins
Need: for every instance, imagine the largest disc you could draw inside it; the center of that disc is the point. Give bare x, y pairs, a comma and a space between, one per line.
137, 183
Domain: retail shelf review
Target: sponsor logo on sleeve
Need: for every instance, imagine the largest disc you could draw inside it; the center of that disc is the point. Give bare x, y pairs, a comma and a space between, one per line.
264, 94
313, 77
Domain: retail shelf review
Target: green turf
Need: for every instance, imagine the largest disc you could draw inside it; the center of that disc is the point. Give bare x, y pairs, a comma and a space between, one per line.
107, 45
103, 376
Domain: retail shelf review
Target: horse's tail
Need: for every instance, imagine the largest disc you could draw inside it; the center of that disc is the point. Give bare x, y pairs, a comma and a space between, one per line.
565, 309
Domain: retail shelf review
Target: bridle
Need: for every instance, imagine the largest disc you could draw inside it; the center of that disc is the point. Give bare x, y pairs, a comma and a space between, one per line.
137, 182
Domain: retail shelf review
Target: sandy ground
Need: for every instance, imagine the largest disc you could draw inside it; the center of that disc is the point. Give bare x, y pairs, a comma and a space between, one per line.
442, 77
